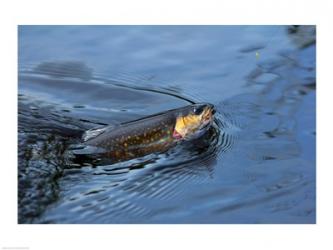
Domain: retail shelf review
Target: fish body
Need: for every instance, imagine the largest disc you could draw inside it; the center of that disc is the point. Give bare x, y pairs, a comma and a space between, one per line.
151, 134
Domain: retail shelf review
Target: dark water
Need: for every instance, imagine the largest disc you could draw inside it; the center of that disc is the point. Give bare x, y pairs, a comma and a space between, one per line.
255, 165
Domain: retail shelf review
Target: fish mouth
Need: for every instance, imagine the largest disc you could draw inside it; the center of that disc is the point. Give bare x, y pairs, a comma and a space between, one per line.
206, 124
208, 113
207, 117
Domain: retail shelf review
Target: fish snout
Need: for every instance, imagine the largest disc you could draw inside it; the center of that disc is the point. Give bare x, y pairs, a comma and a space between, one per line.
209, 112
213, 109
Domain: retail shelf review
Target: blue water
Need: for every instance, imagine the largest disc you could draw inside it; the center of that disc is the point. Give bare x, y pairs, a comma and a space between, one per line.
257, 165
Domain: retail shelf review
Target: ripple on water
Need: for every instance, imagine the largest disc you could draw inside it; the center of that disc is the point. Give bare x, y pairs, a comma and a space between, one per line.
160, 180
249, 168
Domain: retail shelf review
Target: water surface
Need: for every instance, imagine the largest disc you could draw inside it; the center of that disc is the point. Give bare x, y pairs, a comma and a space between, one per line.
256, 165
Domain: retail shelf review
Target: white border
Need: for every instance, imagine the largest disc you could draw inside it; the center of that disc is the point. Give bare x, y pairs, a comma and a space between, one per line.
258, 237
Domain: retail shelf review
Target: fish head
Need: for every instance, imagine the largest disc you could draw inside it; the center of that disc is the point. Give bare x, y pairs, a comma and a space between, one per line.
194, 121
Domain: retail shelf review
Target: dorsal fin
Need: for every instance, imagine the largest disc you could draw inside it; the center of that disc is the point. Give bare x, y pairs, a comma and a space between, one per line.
94, 132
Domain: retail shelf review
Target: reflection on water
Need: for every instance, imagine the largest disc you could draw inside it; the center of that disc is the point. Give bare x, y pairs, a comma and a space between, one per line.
256, 165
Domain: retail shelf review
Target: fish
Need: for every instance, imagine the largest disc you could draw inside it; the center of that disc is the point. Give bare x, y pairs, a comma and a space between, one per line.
151, 134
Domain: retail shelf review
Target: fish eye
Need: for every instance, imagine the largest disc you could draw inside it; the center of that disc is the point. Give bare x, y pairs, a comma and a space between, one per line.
198, 110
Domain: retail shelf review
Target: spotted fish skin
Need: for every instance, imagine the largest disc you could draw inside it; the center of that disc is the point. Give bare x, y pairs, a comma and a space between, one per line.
137, 138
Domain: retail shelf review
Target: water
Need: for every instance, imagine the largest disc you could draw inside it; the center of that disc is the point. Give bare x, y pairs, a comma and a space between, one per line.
255, 165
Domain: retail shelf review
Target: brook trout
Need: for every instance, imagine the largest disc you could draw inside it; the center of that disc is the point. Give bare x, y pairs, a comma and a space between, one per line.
154, 133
